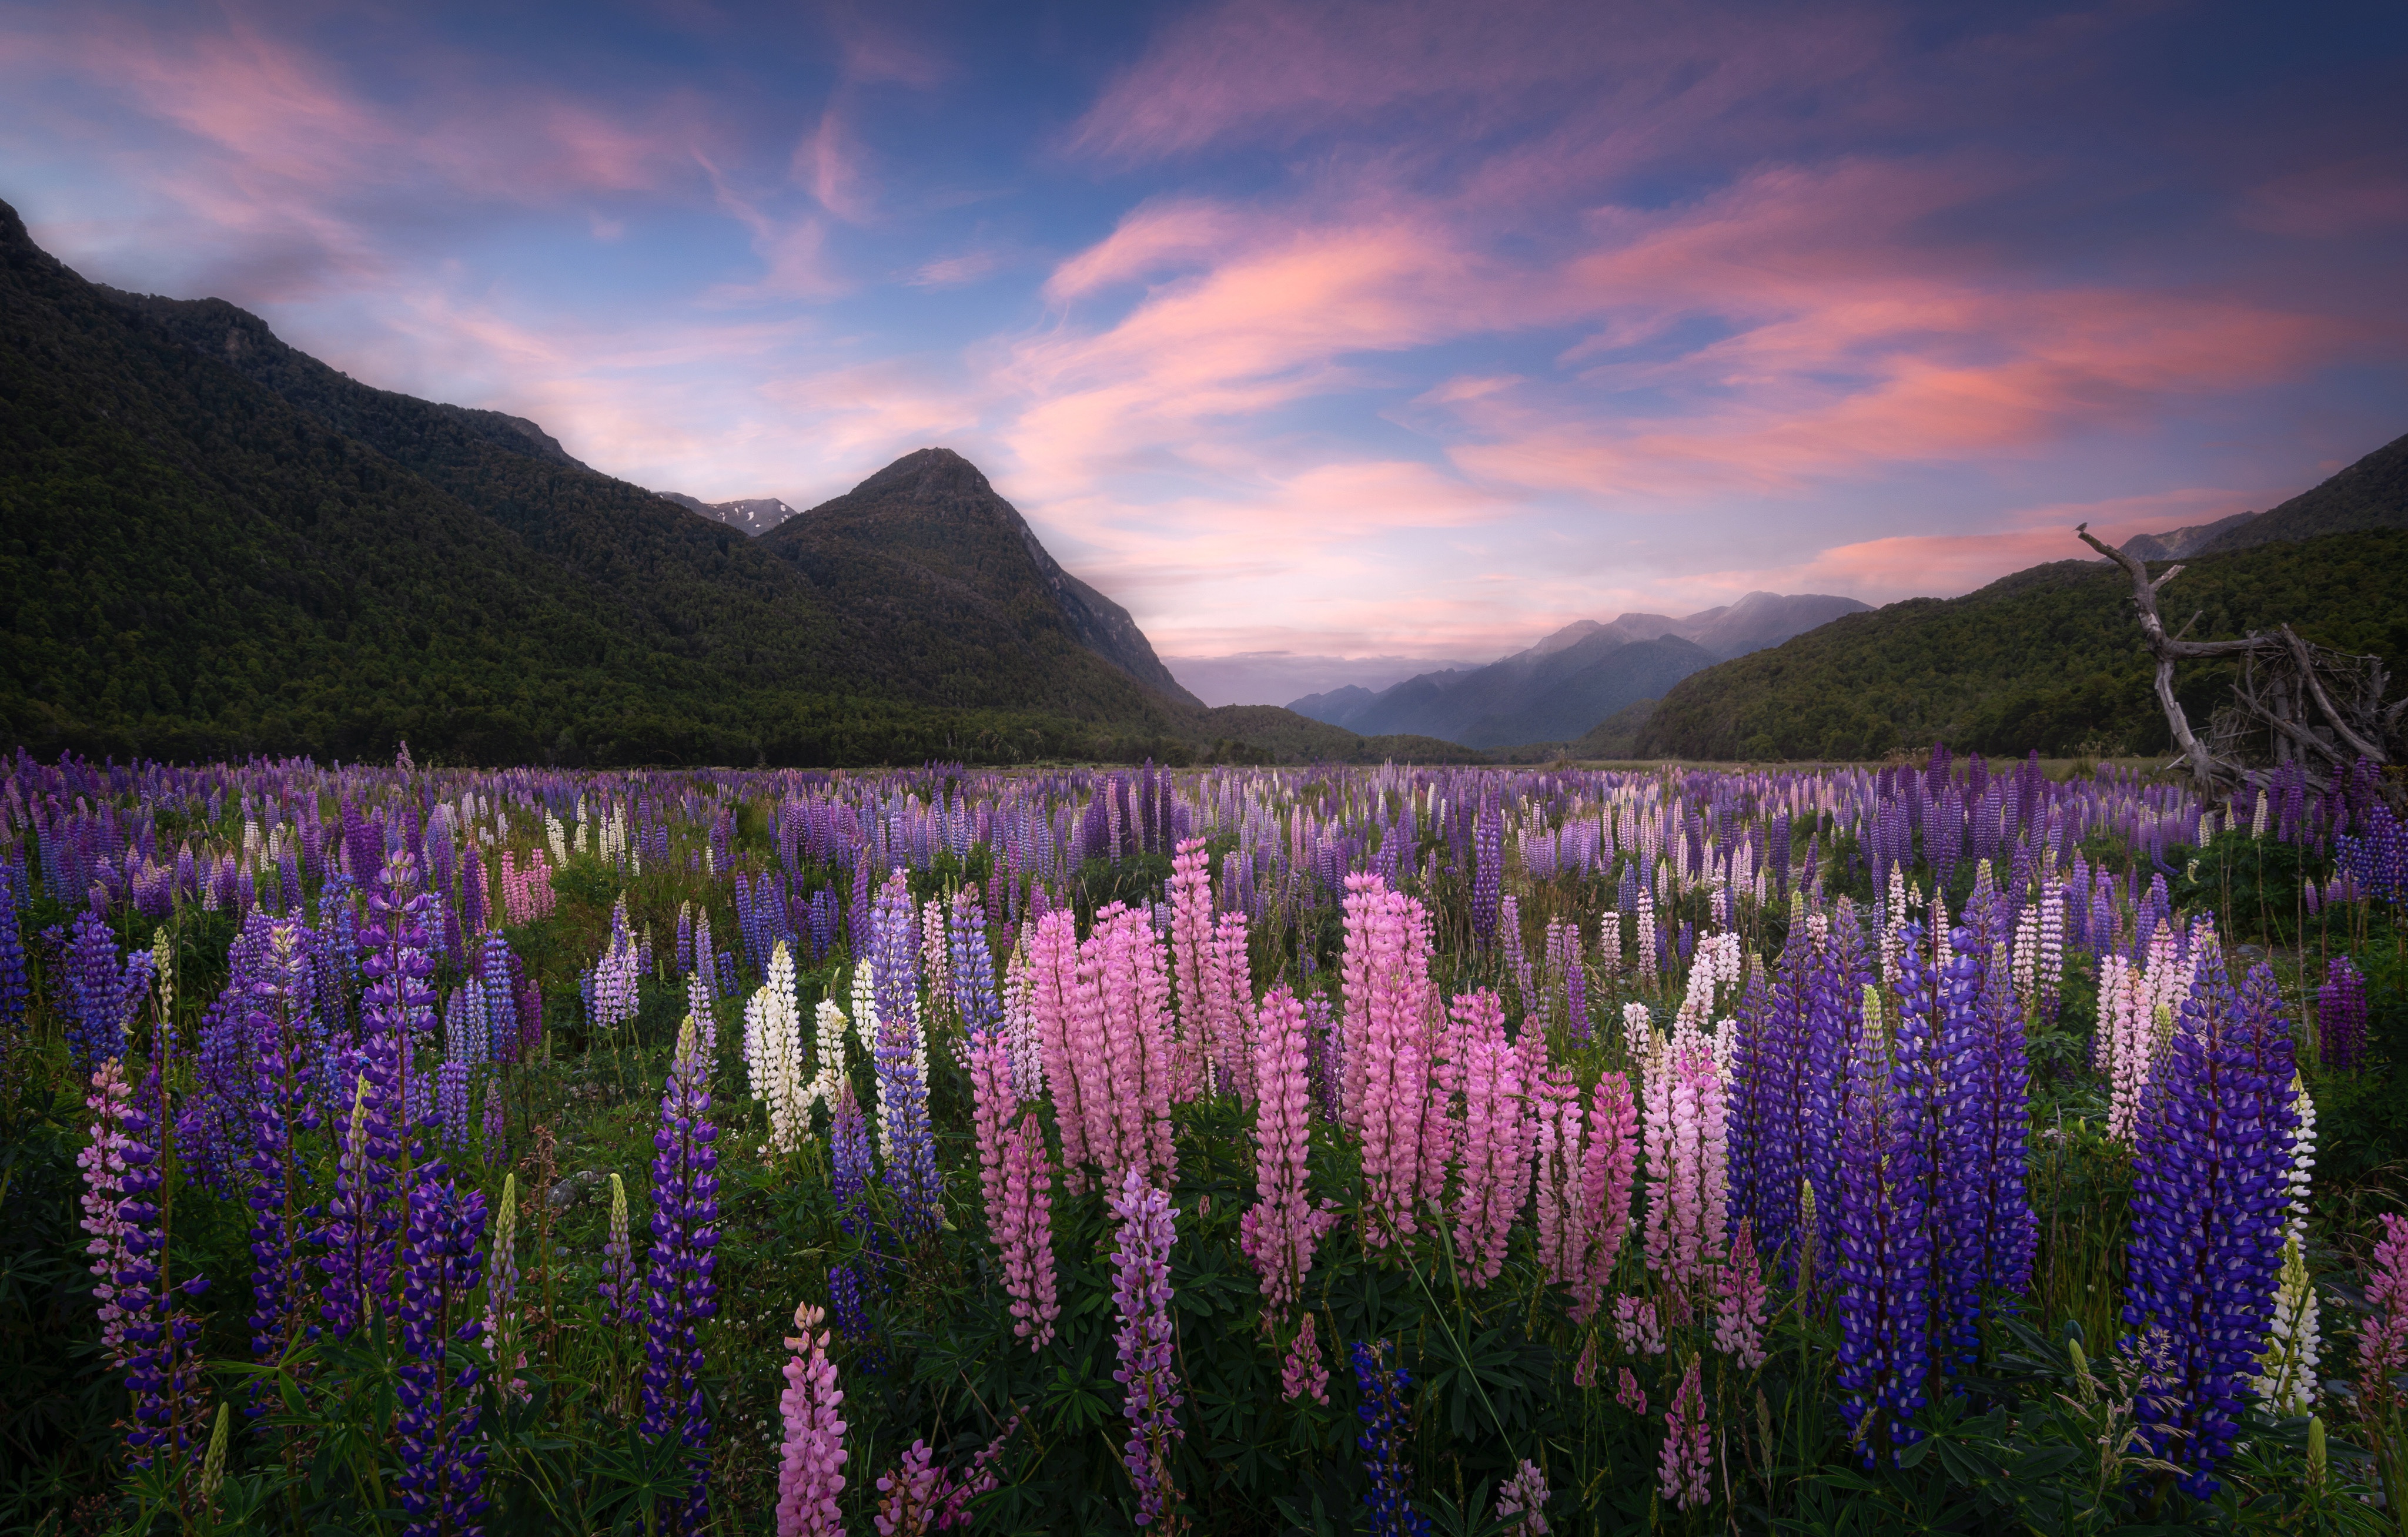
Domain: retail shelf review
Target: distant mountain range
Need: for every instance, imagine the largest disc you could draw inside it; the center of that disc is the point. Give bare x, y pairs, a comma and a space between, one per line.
1576, 678
2050, 658
753, 515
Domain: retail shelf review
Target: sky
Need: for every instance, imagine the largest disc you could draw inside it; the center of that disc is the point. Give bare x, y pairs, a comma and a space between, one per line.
1334, 340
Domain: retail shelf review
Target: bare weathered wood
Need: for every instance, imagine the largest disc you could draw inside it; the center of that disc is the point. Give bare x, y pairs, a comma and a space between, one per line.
2324, 740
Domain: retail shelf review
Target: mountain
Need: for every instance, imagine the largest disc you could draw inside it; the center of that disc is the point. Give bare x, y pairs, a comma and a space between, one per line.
751, 515
2371, 493
934, 512
2049, 657
1576, 678
2182, 543
216, 545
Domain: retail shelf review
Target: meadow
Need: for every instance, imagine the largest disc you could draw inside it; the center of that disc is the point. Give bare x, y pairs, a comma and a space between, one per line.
1933, 1145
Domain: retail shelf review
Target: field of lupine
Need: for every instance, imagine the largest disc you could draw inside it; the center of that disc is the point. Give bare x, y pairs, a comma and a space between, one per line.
1932, 1146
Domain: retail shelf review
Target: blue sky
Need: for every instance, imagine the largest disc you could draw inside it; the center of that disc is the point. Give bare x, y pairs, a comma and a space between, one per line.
1389, 332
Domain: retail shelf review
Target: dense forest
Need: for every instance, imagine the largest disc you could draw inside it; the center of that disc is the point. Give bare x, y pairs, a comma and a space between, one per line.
2048, 659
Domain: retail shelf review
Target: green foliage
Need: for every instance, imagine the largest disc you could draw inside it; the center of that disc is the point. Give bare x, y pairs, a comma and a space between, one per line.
2048, 659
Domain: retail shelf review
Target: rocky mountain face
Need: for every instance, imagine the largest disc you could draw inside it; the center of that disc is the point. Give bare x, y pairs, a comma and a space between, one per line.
1576, 678
753, 515
2180, 544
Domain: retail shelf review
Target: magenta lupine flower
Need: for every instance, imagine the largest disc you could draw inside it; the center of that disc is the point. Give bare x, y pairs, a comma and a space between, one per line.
1393, 1092
808, 1479
1141, 1294
1302, 1372
1611, 1156
1282, 1230
1627, 1392
1497, 1138
104, 1168
1684, 1473
1739, 1301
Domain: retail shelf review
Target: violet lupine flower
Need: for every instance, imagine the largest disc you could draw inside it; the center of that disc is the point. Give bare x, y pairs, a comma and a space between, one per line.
1280, 1231
854, 1170
911, 1147
354, 1259
105, 1170
1769, 1096
1882, 1271
1685, 1471
808, 1480
894, 953
100, 992
1381, 1405
283, 1102
2341, 1016
1991, 1152
2210, 1191
1301, 1371
1141, 1293
443, 1454
681, 1292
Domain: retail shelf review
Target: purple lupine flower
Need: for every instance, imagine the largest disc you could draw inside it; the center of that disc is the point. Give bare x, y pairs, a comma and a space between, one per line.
2341, 1016
911, 1145
1487, 868
354, 1259
162, 1369
442, 1453
1141, 1294
1380, 1403
895, 953
104, 1169
1770, 1092
854, 1168
1991, 1151
13, 988
101, 993
972, 968
282, 1101
501, 1005
1882, 1269
680, 1293
2210, 1187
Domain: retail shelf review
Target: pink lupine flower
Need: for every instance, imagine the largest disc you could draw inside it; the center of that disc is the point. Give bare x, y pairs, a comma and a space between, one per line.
1611, 1158
1280, 1231
2383, 1338
1739, 1301
1070, 1035
1133, 988
1394, 1088
1191, 941
1639, 1324
1525, 1495
1496, 1137
104, 1168
1584, 1368
1627, 1392
1229, 991
1688, 1445
1563, 1205
911, 1498
1017, 1183
1687, 1171
1303, 1373
808, 1480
